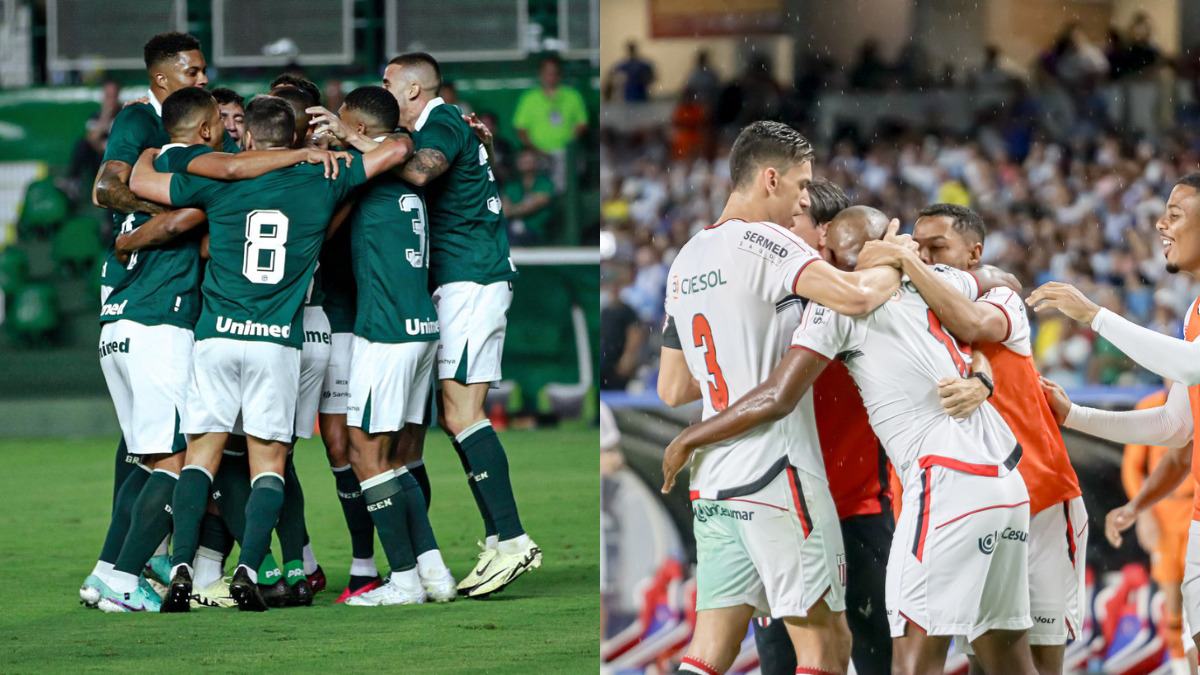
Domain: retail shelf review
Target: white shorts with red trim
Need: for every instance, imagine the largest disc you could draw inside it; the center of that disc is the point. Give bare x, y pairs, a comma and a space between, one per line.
959, 560
778, 549
1057, 556
1191, 585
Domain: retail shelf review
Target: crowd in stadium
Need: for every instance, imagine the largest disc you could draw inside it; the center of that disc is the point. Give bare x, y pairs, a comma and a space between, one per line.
1070, 199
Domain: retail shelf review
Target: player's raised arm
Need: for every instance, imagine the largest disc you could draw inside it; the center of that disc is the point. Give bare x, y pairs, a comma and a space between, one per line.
392, 152
158, 230
112, 190
861, 291
1170, 424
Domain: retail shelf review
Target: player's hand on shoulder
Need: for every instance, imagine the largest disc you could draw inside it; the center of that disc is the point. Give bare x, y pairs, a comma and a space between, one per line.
329, 158
1117, 521
482, 132
140, 99
962, 397
1066, 299
1056, 396
676, 455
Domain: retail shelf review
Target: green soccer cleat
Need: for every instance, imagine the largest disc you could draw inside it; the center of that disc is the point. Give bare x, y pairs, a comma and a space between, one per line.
140, 600
159, 569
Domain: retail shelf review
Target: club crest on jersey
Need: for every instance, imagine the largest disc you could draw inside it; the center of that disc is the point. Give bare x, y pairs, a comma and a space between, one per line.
896, 296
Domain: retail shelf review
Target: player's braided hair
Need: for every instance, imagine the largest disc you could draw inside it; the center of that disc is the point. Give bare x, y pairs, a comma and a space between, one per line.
827, 199
420, 59
225, 96
271, 121
179, 107
966, 222
766, 143
376, 103
166, 46
304, 84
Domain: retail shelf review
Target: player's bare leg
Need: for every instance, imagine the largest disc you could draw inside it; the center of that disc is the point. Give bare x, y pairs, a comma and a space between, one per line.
717, 638
918, 653
410, 454
821, 639
1007, 651
188, 505
1048, 659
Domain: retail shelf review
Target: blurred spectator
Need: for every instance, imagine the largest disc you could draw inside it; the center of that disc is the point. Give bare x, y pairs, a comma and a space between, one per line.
89, 150
635, 74
335, 94
550, 116
689, 126
621, 338
702, 82
528, 201
1135, 51
449, 94
869, 72
233, 111
993, 74
502, 150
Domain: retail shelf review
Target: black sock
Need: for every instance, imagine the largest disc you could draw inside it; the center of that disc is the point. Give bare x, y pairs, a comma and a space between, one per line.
231, 491
118, 525
358, 521
151, 522
489, 526
188, 507
420, 532
291, 517
417, 469
387, 506
262, 513
489, 468
126, 464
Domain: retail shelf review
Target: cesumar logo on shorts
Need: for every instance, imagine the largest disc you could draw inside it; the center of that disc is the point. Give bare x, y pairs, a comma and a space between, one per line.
987, 543
705, 511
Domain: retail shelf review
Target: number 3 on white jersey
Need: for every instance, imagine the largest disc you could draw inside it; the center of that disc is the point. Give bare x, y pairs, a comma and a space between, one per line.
416, 256
266, 233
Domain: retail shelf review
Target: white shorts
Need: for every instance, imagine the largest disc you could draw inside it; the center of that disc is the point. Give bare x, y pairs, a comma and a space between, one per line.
1057, 569
389, 384
243, 383
472, 319
335, 390
959, 561
146, 368
778, 549
314, 362
1191, 584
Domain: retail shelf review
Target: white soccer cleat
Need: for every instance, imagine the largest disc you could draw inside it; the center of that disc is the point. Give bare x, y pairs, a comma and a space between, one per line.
91, 590
401, 589
505, 567
439, 586
215, 595
472, 580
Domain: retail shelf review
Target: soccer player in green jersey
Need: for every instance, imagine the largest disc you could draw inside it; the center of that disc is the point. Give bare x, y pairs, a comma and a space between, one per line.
265, 235
233, 112
471, 273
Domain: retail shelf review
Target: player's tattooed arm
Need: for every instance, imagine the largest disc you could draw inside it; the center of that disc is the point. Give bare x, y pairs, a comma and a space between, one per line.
425, 165
768, 402
113, 190
157, 231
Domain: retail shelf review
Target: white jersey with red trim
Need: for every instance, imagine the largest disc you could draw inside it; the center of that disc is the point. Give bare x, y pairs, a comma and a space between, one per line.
730, 294
1018, 338
896, 356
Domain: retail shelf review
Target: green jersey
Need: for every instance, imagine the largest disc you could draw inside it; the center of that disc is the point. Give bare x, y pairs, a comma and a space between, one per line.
264, 237
161, 285
391, 263
468, 240
138, 126
337, 279
229, 145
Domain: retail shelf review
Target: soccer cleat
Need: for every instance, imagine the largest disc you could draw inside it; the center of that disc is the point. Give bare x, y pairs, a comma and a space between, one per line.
439, 586
358, 586
140, 600
91, 590
476, 576
215, 594
316, 580
299, 594
275, 595
159, 569
246, 593
394, 592
179, 593
504, 568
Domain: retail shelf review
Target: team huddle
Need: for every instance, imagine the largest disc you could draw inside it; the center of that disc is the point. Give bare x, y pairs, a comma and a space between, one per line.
920, 369
277, 263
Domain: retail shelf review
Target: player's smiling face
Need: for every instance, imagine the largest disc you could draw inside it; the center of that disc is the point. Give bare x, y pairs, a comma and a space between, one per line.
187, 69
941, 244
1179, 228
233, 118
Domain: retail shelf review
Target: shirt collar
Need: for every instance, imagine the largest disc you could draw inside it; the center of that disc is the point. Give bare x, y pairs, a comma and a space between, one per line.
433, 103
154, 102
168, 146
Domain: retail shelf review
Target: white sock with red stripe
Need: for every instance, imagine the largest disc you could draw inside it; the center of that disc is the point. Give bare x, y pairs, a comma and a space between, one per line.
694, 665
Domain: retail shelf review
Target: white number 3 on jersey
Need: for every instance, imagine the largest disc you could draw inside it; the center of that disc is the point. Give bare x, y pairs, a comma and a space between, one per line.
266, 234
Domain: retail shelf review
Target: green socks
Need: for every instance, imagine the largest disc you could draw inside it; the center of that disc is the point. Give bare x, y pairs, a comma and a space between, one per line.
417, 469
151, 522
291, 517
262, 513
358, 521
118, 525
489, 527
387, 505
126, 466
420, 532
489, 473
188, 506
268, 571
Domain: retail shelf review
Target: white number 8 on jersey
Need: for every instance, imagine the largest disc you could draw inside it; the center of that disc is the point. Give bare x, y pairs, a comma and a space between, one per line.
266, 234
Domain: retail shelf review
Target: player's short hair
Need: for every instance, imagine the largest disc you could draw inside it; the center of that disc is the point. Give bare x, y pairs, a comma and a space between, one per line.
166, 46
304, 84
181, 106
766, 143
296, 97
828, 198
421, 59
1191, 180
270, 120
225, 96
966, 222
376, 103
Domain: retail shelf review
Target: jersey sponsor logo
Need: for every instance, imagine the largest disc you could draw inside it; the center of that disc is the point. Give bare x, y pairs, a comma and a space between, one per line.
766, 243
252, 328
705, 511
987, 543
334, 394
697, 283
113, 309
379, 505
1048, 620
316, 336
419, 327
112, 347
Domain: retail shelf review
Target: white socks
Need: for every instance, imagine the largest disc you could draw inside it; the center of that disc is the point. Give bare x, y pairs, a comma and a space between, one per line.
310, 560
430, 563
514, 545
492, 541
210, 567
363, 567
122, 582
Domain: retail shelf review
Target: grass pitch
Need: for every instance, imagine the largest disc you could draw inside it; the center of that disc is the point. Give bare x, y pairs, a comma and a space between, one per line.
55, 497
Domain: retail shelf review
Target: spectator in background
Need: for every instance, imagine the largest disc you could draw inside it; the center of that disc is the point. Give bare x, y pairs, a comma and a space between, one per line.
1135, 51
621, 338
550, 116
335, 94
689, 122
869, 72
89, 150
449, 94
992, 75
528, 201
636, 75
502, 149
233, 112
703, 81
